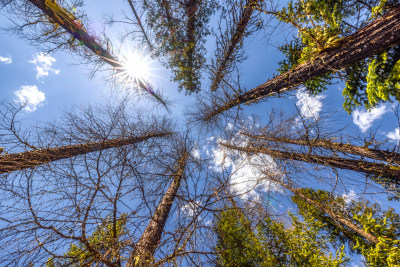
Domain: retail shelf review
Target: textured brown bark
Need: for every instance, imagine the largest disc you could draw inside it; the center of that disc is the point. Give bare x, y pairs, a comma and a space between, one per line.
19, 161
340, 221
147, 244
235, 39
191, 8
376, 37
382, 155
379, 169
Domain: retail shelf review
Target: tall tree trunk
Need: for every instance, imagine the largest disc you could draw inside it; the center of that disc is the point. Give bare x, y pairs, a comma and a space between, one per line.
191, 8
337, 219
139, 22
376, 37
235, 39
28, 159
388, 171
147, 244
382, 155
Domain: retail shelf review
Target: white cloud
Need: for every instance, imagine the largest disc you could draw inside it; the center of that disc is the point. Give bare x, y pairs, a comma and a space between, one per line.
248, 178
310, 106
191, 208
247, 173
6, 60
196, 152
43, 64
349, 197
395, 135
364, 119
30, 97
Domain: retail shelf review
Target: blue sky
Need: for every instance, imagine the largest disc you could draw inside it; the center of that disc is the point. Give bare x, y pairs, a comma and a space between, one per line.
54, 82
67, 83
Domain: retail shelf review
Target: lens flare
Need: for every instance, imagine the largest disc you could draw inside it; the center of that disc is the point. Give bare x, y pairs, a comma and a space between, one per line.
137, 66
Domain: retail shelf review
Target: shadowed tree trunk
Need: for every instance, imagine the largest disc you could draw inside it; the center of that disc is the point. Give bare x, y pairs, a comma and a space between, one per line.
19, 161
388, 171
147, 244
382, 155
376, 37
191, 8
337, 219
235, 39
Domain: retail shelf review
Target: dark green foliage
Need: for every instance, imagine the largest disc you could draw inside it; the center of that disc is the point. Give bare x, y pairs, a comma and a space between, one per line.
180, 29
321, 25
270, 243
370, 217
106, 240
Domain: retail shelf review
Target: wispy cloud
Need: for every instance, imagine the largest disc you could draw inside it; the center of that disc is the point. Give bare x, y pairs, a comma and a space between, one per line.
6, 60
44, 64
364, 119
350, 196
30, 97
310, 106
395, 135
247, 173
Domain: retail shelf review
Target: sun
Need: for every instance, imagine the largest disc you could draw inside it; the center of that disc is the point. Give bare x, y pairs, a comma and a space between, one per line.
136, 65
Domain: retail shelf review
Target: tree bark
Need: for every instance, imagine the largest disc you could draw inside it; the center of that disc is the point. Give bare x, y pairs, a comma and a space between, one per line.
144, 249
337, 219
376, 37
191, 8
234, 41
388, 171
29, 159
382, 155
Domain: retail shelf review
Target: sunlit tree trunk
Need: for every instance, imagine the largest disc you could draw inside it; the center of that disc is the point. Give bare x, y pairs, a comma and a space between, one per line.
336, 218
382, 155
29, 159
377, 36
379, 169
147, 244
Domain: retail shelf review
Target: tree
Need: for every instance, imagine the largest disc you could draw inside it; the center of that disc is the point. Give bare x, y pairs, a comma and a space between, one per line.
382, 250
241, 243
388, 171
390, 157
377, 37
29, 159
144, 249
241, 24
180, 29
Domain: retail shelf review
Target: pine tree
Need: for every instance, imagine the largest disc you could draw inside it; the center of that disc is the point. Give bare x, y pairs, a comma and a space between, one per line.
377, 237
270, 243
180, 29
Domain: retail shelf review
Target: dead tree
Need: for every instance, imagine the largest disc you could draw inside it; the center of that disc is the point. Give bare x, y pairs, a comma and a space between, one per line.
30, 159
390, 157
230, 42
371, 168
144, 249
